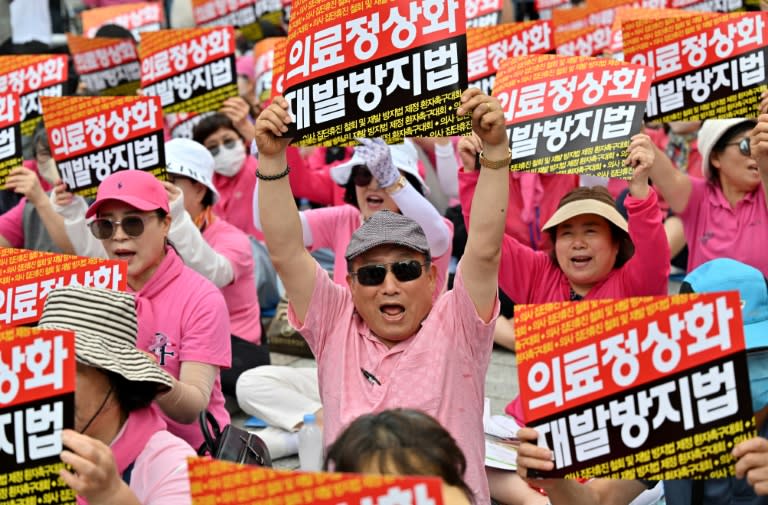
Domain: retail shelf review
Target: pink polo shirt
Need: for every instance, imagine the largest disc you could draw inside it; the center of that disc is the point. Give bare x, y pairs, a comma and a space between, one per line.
235, 204
528, 276
332, 227
183, 317
240, 294
440, 370
715, 230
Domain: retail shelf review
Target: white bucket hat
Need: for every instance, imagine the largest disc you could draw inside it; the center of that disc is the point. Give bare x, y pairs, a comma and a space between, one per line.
105, 327
405, 157
188, 158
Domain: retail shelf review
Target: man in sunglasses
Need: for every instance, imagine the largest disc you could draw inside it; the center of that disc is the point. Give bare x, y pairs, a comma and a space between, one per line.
381, 342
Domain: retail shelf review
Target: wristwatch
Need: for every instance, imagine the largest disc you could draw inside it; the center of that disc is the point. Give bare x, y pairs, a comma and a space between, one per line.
397, 186
485, 162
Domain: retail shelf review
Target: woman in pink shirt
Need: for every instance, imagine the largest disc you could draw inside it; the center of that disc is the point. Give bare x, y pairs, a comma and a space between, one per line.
724, 213
377, 177
120, 451
183, 318
596, 254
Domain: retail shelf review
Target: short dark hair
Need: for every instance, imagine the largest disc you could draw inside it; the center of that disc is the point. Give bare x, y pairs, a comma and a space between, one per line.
132, 395
722, 143
207, 198
404, 441
619, 236
350, 194
210, 125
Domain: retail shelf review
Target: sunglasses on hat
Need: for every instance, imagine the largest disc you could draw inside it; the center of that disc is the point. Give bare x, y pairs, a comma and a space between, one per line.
105, 228
743, 146
404, 271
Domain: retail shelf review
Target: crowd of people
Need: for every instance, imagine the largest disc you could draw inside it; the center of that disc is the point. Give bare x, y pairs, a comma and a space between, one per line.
400, 300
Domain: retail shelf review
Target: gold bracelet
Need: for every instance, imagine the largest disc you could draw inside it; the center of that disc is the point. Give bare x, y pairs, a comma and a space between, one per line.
397, 186
495, 165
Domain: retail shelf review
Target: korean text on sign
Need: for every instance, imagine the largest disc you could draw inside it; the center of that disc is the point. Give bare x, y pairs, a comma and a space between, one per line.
713, 66
571, 114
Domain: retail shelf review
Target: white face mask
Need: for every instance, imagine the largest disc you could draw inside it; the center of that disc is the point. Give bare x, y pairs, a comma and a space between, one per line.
48, 171
229, 161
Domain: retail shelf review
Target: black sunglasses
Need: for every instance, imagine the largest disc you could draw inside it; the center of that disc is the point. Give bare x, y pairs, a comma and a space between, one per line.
404, 271
361, 176
104, 228
743, 146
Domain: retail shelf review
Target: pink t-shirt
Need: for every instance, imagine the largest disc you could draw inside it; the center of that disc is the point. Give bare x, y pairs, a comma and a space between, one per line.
183, 317
440, 370
160, 475
12, 224
332, 227
715, 230
235, 204
240, 294
528, 276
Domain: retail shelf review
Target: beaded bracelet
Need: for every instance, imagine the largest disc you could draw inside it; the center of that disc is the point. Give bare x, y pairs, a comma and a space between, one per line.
273, 177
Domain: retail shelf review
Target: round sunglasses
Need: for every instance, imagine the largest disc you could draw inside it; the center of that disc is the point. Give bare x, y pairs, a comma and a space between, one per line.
104, 228
743, 146
404, 271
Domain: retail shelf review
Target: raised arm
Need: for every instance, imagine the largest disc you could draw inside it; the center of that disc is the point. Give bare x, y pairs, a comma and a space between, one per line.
674, 186
480, 263
277, 208
759, 147
72, 208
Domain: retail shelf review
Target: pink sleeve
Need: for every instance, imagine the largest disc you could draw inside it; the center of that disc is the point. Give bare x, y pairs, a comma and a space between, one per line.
206, 333
522, 270
647, 272
462, 310
12, 224
330, 304
690, 215
323, 223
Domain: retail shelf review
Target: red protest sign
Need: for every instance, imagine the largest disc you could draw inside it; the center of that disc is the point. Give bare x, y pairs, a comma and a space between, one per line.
612, 385
182, 124
137, 17
263, 58
278, 68
483, 13
571, 115
37, 384
488, 47
706, 66
190, 69
92, 137
10, 135
213, 480
388, 70
30, 77
27, 277
106, 66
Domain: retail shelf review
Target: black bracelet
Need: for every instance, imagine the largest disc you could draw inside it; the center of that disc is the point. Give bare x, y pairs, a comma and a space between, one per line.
273, 177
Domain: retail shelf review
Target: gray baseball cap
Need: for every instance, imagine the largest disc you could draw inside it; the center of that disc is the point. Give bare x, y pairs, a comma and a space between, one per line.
386, 227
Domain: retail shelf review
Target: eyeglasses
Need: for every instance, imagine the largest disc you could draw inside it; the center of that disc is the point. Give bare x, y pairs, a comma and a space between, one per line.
229, 144
361, 176
404, 271
104, 228
743, 146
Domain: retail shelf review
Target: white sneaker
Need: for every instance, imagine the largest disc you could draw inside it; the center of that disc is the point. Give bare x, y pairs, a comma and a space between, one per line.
280, 443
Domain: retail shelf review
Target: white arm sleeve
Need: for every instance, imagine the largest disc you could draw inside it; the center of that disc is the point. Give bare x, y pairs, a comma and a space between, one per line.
447, 168
80, 236
418, 208
194, 250
305, 230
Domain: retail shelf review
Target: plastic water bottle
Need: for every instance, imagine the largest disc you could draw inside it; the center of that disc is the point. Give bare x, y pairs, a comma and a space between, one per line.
310, 445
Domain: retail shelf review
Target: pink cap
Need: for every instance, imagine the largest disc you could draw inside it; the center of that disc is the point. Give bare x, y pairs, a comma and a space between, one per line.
138, 189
